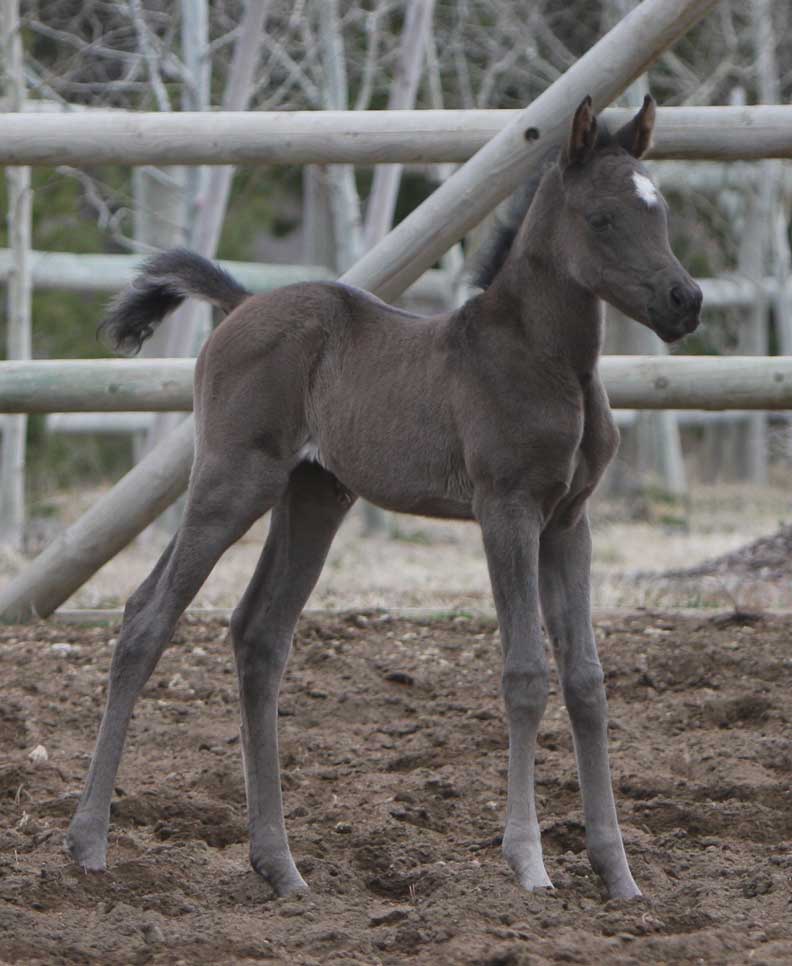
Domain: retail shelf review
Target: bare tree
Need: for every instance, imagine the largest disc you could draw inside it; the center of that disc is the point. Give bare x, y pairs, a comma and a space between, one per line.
189, 328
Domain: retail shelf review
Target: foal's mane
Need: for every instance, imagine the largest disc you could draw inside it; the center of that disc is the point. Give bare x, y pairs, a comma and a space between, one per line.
495, 248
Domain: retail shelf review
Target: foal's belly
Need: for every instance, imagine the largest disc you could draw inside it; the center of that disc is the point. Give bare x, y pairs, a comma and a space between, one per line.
404, 480
430, 506
438, 498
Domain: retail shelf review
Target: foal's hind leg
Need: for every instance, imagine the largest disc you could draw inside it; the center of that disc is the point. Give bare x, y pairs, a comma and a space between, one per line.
226, 496
565, 562
303, 525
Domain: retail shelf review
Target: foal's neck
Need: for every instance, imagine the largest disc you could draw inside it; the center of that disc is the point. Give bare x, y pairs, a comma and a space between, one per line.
561, 321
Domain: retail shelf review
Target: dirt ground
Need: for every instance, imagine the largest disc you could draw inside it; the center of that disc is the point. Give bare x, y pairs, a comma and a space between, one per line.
394, 753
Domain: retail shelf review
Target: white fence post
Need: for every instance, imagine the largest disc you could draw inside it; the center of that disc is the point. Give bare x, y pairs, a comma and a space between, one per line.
19, 294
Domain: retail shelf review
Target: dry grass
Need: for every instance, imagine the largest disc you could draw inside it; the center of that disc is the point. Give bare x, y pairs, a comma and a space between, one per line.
439, 564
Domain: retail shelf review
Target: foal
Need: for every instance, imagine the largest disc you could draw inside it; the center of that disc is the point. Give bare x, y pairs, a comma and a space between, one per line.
316, 393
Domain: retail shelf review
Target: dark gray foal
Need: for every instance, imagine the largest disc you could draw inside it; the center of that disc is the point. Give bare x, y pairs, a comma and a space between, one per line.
311, 395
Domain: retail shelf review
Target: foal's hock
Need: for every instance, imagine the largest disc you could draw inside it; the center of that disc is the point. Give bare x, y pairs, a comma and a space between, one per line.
317, 393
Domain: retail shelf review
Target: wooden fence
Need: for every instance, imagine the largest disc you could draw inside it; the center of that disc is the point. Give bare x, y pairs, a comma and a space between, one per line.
359, 137
110, 273
166, 385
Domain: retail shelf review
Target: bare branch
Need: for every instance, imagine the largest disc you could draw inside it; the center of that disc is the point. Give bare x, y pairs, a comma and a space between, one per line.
149, 53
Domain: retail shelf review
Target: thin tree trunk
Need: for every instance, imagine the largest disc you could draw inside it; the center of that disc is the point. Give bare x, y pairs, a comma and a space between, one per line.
317, 222
404, 89
197, 97
453, 261
197, 92
783, 276
344, 198
160, 222
195, 318
752, 338
758, 238
19, 294
772, 176
341, 186
186, 330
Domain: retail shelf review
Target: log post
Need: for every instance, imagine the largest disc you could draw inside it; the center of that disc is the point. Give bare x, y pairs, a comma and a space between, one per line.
19, 294
604, 71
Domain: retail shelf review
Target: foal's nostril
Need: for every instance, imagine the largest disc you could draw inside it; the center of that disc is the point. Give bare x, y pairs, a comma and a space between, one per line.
677, 296
687, 298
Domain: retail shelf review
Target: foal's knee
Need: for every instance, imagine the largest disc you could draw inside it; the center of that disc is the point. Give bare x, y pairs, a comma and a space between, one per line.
259, 653
525, 690
584, 691
142, 640
135, 604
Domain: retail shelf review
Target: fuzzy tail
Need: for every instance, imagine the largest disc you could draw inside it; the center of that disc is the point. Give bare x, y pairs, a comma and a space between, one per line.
164, 282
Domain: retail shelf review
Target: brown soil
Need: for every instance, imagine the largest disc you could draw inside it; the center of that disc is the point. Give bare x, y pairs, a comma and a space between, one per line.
394, 748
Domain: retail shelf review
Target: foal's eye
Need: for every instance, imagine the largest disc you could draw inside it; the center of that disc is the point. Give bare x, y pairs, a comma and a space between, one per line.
600, 221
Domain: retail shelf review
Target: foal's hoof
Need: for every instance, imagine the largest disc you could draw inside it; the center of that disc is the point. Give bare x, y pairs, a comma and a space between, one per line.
293, 887
284, 881
526, 861
536, 883
624, 889
86, 842
532, 875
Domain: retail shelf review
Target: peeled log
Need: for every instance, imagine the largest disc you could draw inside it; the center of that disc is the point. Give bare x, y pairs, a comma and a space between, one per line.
165, 385
356, 137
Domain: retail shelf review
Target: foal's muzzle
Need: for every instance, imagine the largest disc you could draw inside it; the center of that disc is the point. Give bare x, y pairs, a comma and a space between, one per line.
680, 314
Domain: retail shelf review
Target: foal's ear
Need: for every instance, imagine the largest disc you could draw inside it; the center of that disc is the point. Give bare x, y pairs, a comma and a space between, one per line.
583, 134
636, 135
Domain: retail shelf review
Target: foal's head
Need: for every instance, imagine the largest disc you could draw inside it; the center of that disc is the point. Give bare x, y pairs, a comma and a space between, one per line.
612, 226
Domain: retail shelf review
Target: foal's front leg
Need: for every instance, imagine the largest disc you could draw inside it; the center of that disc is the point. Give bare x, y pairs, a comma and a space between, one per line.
511, 531
565, 564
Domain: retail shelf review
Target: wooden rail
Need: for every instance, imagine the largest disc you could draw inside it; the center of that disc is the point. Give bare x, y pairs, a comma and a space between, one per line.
163, 385
70, 271
97, 385
357, 137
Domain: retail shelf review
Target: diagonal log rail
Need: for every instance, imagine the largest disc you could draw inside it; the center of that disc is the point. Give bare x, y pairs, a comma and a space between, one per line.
166, 385
357, 137
386, 270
